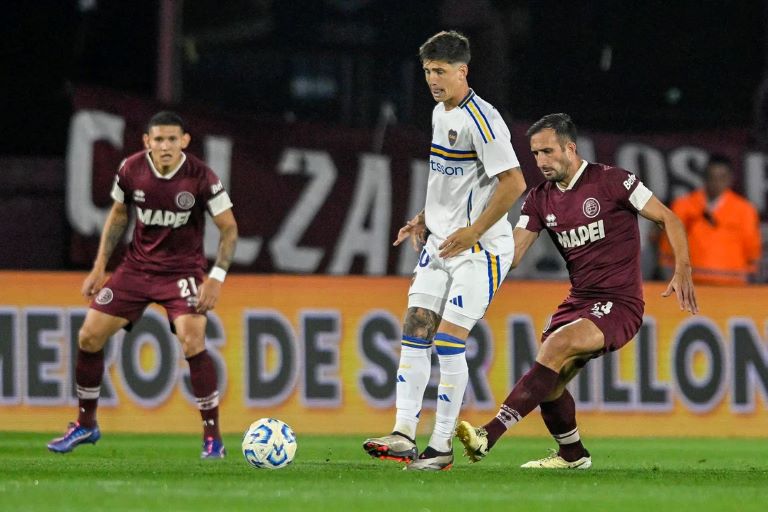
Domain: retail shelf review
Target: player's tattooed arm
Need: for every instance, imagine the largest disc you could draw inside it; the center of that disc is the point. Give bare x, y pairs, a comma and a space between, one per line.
227, 225
114, 228
421, 323
211, 288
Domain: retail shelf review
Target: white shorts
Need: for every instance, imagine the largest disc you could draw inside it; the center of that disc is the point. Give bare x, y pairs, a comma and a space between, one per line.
460, 288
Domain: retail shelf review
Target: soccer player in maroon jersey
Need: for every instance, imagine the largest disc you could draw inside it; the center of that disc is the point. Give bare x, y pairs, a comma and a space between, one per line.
589, 211
169, 192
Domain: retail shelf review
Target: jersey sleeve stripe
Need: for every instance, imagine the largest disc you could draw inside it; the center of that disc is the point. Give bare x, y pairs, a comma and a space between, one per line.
219, 203
493, 135
472, 116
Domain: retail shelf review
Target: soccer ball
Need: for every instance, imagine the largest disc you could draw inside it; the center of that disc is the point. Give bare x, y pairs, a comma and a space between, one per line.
269, 443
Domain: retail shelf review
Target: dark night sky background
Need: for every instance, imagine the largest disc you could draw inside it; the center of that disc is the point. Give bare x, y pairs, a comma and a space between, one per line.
673, 65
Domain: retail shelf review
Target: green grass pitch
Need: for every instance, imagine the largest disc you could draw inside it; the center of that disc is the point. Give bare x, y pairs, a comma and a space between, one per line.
163, 472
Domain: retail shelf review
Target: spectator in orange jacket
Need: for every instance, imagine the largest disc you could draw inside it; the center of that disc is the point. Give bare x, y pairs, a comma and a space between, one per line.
723, 229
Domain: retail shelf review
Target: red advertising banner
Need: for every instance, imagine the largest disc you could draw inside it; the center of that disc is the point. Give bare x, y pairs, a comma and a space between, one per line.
329, 200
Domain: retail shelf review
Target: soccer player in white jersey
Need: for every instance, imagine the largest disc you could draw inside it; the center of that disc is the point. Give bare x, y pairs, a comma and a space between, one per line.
474, 179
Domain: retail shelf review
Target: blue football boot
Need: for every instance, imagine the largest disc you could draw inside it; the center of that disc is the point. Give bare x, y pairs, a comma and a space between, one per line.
74, 436
213, 449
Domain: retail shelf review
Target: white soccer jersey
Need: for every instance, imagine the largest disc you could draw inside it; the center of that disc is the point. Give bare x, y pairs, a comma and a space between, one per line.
470, 145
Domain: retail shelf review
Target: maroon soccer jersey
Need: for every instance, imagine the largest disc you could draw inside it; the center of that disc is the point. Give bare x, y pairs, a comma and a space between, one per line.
169, 212
593, 223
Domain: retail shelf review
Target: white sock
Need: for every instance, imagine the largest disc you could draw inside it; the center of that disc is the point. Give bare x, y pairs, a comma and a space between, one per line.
450, 393
412, 379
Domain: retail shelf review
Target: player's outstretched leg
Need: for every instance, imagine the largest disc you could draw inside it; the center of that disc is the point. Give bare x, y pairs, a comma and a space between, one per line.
396, 446
73, 437
474, 439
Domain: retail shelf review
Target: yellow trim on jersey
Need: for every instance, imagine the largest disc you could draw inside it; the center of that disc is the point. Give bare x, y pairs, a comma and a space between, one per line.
452, 154
475, 113
469, 96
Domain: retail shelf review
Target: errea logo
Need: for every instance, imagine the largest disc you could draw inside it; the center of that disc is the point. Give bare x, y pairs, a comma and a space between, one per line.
629, 181
551, 220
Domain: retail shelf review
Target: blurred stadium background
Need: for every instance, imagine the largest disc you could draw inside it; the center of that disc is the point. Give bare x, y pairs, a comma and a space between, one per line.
315, 115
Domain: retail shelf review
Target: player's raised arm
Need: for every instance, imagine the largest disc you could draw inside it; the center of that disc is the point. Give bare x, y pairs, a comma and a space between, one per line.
114, 228
510, 187
211, 289
681, 282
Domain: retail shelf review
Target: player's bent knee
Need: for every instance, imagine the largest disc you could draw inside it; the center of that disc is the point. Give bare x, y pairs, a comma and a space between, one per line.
192, 345
554, 352
421, 323
90, 341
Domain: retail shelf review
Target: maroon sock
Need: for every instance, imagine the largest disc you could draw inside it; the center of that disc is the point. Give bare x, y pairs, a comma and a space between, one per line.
89, 370
202, 373
559, 416
529, 391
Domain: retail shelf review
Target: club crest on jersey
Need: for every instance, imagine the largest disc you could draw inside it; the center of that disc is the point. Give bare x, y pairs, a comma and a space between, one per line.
138, 196
105, 296
452, 135
185, 200
591, 207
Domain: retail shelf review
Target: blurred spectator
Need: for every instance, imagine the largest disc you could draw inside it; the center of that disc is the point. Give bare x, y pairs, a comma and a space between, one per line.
723, 229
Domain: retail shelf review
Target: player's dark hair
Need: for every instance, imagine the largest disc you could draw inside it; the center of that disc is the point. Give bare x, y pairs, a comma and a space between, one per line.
719, 159
166, 118
560, 123
448, 46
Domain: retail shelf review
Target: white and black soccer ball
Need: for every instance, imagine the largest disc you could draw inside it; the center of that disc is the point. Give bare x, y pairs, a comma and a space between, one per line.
269, 443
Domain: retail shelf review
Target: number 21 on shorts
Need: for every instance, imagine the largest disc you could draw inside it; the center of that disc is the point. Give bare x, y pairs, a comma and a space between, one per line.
187, 287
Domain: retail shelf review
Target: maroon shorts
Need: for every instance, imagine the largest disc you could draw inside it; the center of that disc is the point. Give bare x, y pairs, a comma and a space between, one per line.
619, 320
128, 292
